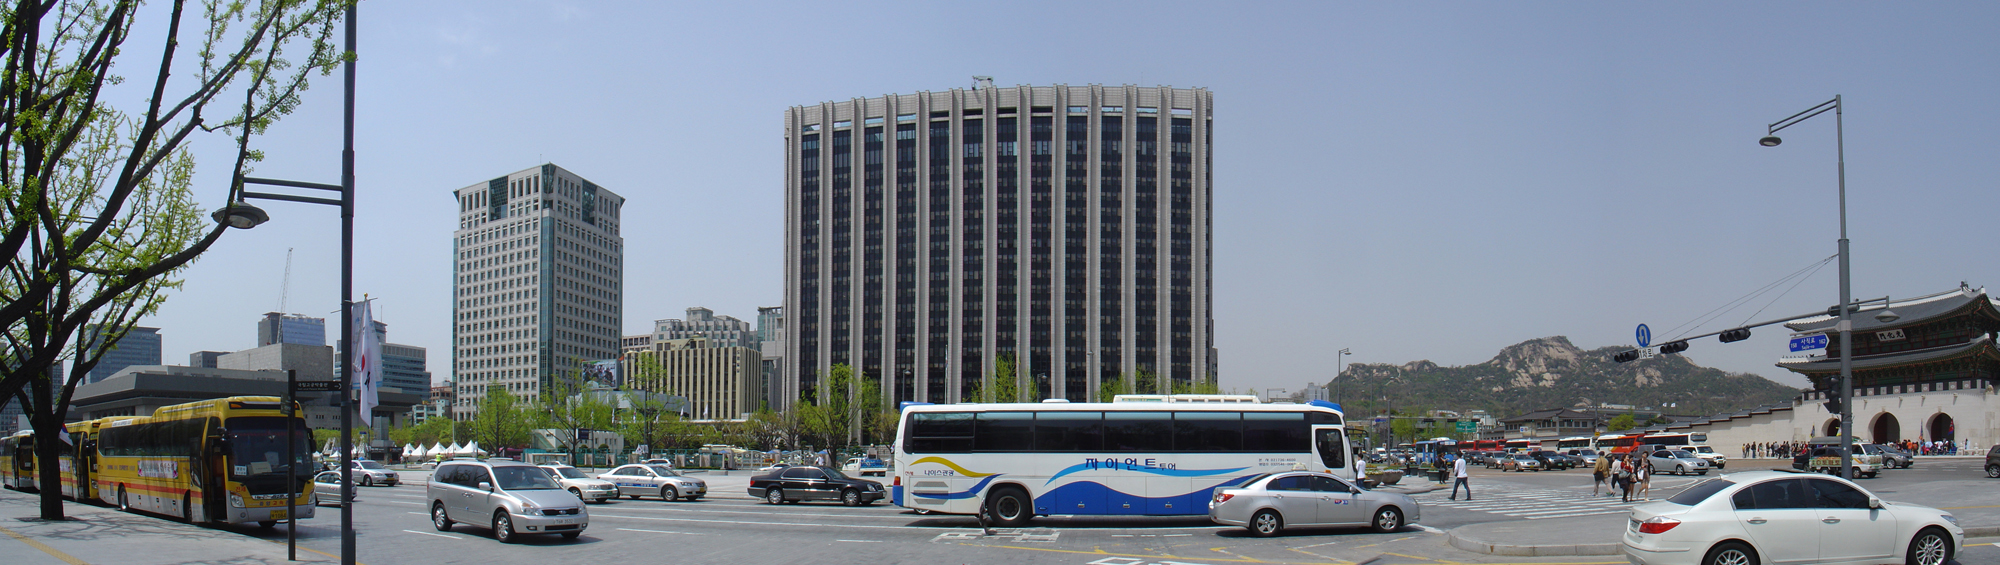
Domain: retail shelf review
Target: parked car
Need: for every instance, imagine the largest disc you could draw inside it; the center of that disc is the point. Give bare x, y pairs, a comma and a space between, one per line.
326, 487
865, 466
1826, 459
514, 498
668, 463
1676, 461
795, 484
581, 485
1268, 504
1587, 457
369, 472
1520, 462
1550, 460
774, 467
1714, 458
639, 479
1787, 517
1993, 462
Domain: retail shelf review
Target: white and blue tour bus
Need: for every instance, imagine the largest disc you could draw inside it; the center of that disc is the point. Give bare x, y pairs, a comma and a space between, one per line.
1100, 459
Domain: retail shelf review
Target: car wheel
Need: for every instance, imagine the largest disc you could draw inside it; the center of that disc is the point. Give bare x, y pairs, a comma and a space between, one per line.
503, 527
1266, 523
366, 481
1931, 547
578, 492
1388, 519
1993, 471
1010, 507
774, 496
669, 494
267, 524
1701, 473
632, 496
850, 497
438, 518
1680, 469
315, 499
1731, 553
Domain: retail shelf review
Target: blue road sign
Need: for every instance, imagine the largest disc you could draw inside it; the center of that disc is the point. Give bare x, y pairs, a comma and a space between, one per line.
1809, 342
1645, 336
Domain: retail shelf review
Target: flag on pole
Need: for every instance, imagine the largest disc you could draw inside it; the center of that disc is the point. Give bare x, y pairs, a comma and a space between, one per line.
367, 361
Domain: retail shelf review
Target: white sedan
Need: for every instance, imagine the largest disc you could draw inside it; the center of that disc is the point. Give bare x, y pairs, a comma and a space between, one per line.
1775, 517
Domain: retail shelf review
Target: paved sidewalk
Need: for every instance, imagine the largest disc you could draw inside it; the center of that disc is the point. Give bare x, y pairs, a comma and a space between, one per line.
105, 536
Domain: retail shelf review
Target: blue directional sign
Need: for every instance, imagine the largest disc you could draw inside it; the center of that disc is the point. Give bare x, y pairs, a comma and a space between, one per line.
1809, 342
1645, 336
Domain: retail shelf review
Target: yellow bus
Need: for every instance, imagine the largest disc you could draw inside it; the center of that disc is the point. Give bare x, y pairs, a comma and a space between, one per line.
214, 461
17, 461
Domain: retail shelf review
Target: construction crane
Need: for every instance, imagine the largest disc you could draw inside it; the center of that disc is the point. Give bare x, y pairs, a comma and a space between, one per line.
285, 287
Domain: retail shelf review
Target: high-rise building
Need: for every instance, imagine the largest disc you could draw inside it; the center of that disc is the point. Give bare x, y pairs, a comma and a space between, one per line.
277, 327
140, 346
771, 345
539, 279
721, 331
719, 381
1064, 230
405, 367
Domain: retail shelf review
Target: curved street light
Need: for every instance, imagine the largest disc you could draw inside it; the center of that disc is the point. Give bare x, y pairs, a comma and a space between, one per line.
1846, 325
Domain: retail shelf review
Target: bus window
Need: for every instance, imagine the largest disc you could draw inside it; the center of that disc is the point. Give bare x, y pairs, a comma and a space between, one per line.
1138, 431
1332, 450
940, 432
1069, 431
1004, 431
1278, 432
1208, 431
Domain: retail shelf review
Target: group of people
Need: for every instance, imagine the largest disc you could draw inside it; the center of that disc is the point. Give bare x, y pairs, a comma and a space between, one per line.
1630, 474
1783, 449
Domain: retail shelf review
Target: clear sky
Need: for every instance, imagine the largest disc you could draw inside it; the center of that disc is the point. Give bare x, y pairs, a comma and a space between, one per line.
1410, 180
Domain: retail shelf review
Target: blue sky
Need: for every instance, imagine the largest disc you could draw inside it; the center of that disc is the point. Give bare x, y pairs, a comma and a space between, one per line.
1410, 180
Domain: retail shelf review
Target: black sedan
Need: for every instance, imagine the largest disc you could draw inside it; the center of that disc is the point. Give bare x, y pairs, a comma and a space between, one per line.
795, 484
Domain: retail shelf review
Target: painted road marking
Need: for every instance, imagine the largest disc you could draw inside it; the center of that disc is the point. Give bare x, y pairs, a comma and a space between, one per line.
431, 534
658, 532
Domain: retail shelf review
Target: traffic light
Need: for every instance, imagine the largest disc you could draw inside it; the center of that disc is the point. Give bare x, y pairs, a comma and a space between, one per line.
1738, 334
1674, 347
1833, 402
1625, 356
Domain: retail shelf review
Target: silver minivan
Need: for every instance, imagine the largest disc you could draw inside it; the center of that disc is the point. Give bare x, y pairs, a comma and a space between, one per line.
512, 497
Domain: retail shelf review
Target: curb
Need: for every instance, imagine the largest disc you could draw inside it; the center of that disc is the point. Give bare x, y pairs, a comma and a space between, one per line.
1982, 531
1496, 548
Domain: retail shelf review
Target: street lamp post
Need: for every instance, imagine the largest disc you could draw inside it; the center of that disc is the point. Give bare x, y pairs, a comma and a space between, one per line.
241, 215
1338, 361
1846, 325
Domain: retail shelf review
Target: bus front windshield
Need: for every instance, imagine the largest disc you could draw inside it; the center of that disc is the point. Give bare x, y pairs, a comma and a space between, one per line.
257, 446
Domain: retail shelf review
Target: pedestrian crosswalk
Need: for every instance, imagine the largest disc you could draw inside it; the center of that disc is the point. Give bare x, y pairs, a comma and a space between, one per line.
1533, 503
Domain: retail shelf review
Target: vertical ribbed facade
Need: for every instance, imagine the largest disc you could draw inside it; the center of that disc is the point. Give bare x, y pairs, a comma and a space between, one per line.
539, 282
1063, 229
720, 382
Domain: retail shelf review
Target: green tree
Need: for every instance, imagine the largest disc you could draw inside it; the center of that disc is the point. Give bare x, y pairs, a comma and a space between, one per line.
1109, 389
1204, 387
1619, 423
502, 421
570, 405
1006, 383
96, 212
1145, 382
425, 433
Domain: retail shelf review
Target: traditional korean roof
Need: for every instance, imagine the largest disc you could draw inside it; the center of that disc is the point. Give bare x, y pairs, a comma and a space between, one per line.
1550, 414
1911, 312
1981, 346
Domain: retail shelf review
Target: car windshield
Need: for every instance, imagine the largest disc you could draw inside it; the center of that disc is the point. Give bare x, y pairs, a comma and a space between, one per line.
568, 472
368, 464
1585, 452
1700, 491
664, 471
833, 473
522, 478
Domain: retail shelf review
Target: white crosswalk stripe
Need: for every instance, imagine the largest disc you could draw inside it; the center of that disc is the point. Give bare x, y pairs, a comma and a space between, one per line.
1532, 504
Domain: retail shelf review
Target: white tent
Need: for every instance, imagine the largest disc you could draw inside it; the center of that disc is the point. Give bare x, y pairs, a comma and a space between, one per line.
453, 450
471, 449
410, 450
435, 450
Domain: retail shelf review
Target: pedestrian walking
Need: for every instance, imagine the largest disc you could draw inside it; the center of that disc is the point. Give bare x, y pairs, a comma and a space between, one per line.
1458, 471
1622, 478
1599, 473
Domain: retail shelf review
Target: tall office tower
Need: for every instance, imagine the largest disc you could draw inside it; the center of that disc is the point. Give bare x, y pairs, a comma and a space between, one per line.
721, 331
140, 346
205, 359
540, 283
1062, 229
277, 327
771, 344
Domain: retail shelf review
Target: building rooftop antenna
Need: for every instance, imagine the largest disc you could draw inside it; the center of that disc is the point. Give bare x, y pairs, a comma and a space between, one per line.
285, 287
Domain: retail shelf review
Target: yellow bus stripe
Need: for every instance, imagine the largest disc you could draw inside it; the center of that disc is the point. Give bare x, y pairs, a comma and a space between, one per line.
948, 463
66, 558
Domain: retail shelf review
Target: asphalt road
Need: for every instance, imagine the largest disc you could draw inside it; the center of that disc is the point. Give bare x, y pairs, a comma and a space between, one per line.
392, 527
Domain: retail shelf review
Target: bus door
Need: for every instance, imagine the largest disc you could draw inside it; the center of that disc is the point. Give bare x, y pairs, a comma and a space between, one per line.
1330, 449
206, 476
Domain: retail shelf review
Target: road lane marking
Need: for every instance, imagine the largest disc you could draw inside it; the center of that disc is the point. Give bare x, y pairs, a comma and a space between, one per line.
431, 534
860, 540
659, 531
53, 552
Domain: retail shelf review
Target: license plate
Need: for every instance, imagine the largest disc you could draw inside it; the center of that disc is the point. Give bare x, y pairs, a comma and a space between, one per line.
277, 514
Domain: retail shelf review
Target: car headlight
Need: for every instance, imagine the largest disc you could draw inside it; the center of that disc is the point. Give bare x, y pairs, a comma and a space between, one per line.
235, 500
1949, 518
528, 505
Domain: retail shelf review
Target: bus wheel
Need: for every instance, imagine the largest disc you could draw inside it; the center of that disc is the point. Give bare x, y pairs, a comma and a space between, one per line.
1010, 507
122, 504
